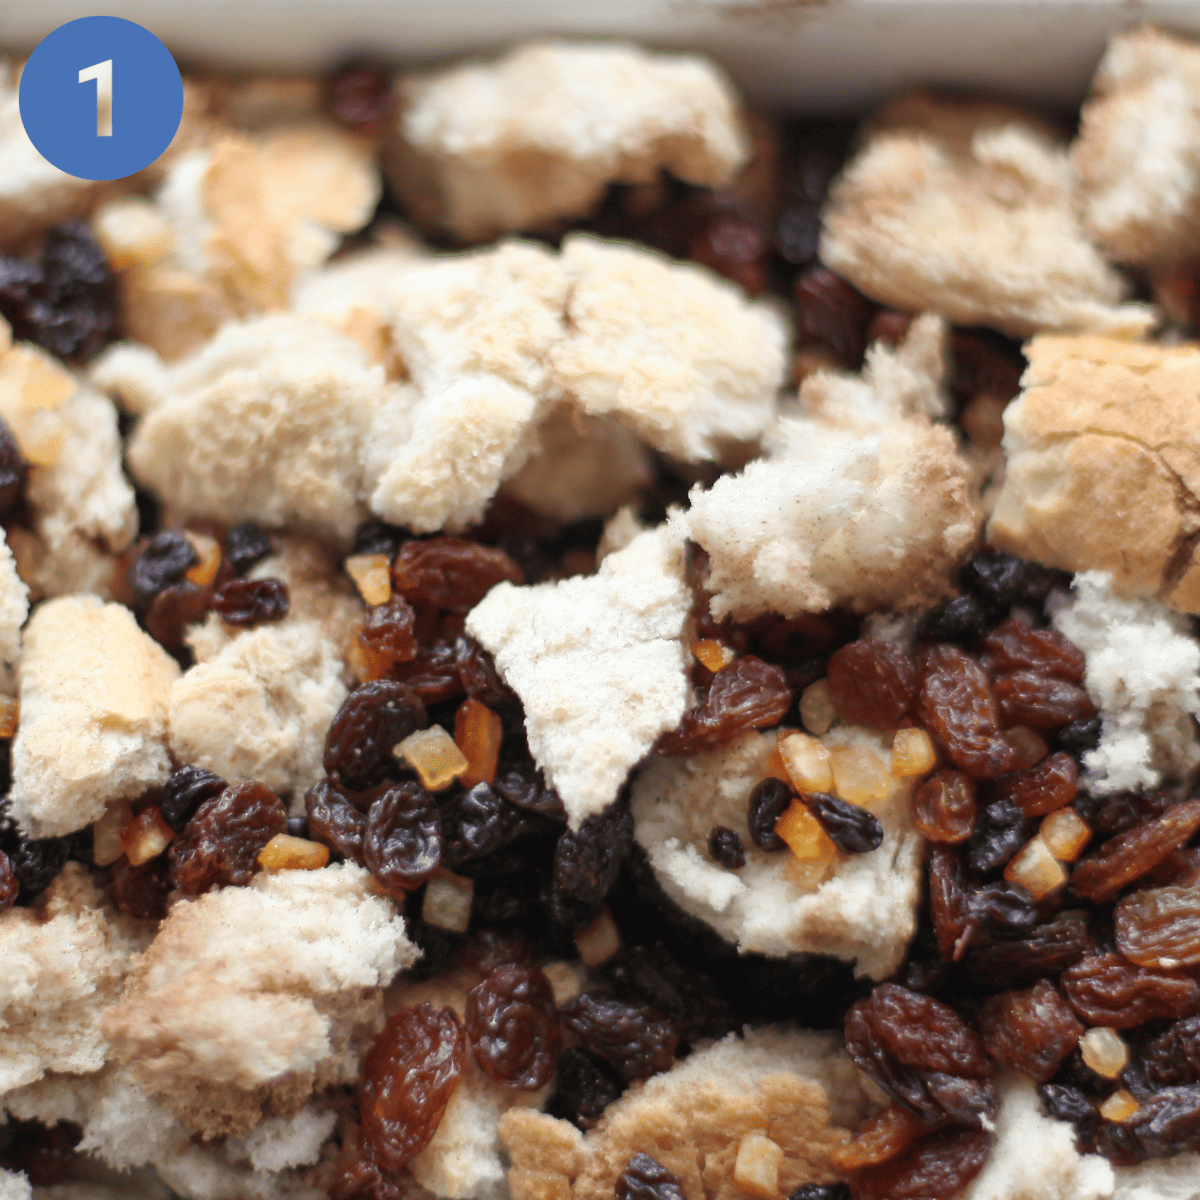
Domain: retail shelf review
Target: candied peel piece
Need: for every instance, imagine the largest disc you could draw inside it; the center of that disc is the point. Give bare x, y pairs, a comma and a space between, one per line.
913, 753
478, 732
804, 834
1036, 869
1065, 834
1105, 1051
287, 853
806, 761
433, 754
146, 836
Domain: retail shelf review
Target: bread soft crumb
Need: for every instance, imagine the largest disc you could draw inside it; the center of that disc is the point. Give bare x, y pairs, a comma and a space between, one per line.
968, 211
1104, 464
796, 1088
93, 691
597, 662
64, 961
260, 706
1143, 672
533, 139
862, 501
862, 908
14, 606
282, 1142
251, 997
14, 1186
1176, 1178
1135, 156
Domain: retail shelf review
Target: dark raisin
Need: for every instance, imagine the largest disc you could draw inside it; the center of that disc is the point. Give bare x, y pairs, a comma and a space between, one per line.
1047, 949
477, 674
1014, 646
1172, 1058
981, 366
769, 800
297, 827
371, 721
1127, 810
378, 537
13, 471
246, 545
1166, 1123
943, 807
1040, 701
725, 848
872, 683
388, 629
1080, 736
140, 891
185, 791
734, 245
811, 156
450, 574
334, 821
479, 825
1001, 829
43, 1154
513, 1025
1121, 860
1066, 1103
957, 705
1031, 1031
634, 1039
645, 1178
1043, 789
586, 864
921, 1053
520, 782
1002, 910
934, 1167
402, 845
432, 673
948, 903
161, 562
36, 862
583, 1089
221, 842
10, 886
175, 608
831, 312
959, 621
1105, 989
851, 828
360, 95
409, 1075
821, 1191
999, 580
252, 601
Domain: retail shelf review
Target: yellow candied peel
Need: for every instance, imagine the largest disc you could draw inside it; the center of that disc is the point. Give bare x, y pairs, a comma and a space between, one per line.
434, 756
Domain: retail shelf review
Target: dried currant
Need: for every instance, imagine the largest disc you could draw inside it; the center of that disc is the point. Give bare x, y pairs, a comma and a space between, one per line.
221, 842
388, 629
1172, 1058
408, 1077
1043, 789
1014, 646
1066, 1103
934, 1167
586, 864
583, 1089
1031, 1031
1040, 701
769, 800
450, 574
957, 705
371, 720
1105, 989
734, 245
725, 848
185, 791
645, 1178
520, 782
1000, 580
1001, 829
851, 828
1080, 736
246, 545
634, 1039
334, 821
747, 694
432, 673
1048, 949
402, 844
14, 470
477, 825
1002, 909
164, 560
872, 683
943, 807
1166, 1123
35, 862
959, 621
513, 1025
140, 891
175, 608
252, 601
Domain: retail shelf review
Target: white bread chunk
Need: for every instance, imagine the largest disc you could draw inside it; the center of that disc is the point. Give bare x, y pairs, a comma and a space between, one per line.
259, 707
1176, 1178
14, 1186
598, 663
282, 1142
534, 138
65, 960
133, 375
94, 691
266, 423
1143, 673
1034, 1156
251, 997
797, 1088
14, 605
862, 907
861, 500
1137, 155
968, 210
1104, 464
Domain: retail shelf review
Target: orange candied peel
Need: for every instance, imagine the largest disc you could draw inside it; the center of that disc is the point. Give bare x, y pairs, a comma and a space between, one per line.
599, 941
1105, 1051
806, 762
803, 834
913, 753
146, 836
1065, 833
10, 711
816, 708
1036, 869
367, 664
478, 732
859, 774
208, 553
286, 853
372, 575
711, 654
434, 756
1120, 1106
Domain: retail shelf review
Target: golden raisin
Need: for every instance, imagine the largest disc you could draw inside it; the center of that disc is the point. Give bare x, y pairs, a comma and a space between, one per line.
943, 807
872, 683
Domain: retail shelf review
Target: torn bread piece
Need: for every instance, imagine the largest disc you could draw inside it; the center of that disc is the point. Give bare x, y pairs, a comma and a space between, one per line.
534, 138
1104, 464
860, 501
969, 211
861, 907
598, 662
94, 693
250, 998
798, 1089
14, 607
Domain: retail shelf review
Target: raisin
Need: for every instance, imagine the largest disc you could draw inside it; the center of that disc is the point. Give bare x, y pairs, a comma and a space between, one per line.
521, 783
586, 864
334, 821
734, 245
821, 1191
360, 95
880, 1137
408, 1076
388, 629
747, 694
1104, 989
1122, 859
35, 862
1031, 1031
402, 844
645, 1178
252, 601
221, 842
634, 1039
921, 1053
175, 608
477, 674
372, 719
246, 545
1001, 829
982, 366
1014, 646
1160, 927
934, 1167
432, 673
450, 574
488, 949
725, 848
1166, 1123
812, 155
769, 800
583, 1089
478, 825
830, 311
1172, 1059
378, 537
140, 891
1002, 909
948, 903
298, 827
185, 791
1066, 1103
872, 683
513, 1025
1080, 736
13, 471
161, 562
1040, 701
943, 807
957, 705
43, 1154
1049, 947
851, 828
999, 580
959, 621
1126, 810
10, 885
1043, 789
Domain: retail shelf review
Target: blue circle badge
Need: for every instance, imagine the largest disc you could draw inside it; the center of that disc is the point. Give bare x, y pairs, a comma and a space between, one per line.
101, 98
